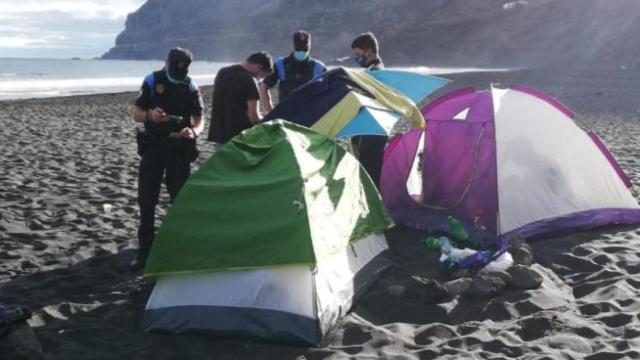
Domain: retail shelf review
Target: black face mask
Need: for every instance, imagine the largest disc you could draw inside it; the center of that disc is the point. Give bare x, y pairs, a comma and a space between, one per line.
361, 60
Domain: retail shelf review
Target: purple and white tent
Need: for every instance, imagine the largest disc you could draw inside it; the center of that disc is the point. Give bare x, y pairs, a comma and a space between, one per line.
514, 157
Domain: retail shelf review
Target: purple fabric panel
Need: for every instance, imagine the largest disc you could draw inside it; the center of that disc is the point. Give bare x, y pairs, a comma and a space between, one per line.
447, 98
459, 171
393, 186
546, 98
479, 103
453, 183
583, 220
392, 144
596, 139
396, 167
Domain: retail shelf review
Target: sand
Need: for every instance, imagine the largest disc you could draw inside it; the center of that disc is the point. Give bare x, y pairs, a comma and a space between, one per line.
68, 220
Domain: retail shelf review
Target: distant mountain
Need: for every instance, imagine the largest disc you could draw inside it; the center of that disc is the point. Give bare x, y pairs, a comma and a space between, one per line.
495, 33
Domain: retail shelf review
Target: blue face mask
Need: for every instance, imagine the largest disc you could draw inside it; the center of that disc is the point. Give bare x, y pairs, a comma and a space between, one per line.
172, 80
361, 60
301, 55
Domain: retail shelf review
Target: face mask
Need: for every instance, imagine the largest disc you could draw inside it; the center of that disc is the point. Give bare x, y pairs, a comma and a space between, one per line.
301, 55
172, 80
361, 60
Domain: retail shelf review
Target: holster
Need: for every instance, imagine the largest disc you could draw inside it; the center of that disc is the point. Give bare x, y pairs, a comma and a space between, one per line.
142, 139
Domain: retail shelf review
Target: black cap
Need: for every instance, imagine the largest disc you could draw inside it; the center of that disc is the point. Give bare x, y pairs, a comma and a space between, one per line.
301, 40
178, 63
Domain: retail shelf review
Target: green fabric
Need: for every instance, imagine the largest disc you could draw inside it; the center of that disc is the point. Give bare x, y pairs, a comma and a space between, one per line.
388, 97
249, 206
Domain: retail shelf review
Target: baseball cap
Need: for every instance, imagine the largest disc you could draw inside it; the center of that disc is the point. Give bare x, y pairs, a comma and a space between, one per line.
178, 63
301, 40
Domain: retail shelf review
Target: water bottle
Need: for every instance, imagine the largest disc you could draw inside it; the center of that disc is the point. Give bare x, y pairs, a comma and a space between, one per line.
457, 230
445, 245
432, 242
438, 243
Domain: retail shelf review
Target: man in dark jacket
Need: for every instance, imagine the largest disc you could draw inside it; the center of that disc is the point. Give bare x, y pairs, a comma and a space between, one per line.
369, 149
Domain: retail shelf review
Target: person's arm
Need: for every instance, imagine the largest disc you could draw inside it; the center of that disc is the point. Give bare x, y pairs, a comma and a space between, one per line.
268, 83
156, 115
142, 111
197, 108
193, 131
253, 112
265, 97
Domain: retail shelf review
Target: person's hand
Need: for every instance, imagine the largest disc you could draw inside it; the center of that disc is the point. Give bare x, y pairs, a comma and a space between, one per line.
187, 133
159, 116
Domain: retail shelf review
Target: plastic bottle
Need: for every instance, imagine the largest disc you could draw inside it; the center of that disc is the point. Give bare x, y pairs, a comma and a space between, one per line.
431, 242
437, 243
457, 230
445, 245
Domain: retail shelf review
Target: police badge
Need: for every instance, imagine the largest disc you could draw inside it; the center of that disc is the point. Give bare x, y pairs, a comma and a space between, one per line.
159, 89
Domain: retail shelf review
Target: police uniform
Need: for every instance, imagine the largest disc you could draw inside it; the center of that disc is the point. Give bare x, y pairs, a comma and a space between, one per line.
164, 155
290, 73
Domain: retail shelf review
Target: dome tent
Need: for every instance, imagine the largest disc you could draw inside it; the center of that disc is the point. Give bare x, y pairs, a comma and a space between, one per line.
514, 157
344, 102
273, 237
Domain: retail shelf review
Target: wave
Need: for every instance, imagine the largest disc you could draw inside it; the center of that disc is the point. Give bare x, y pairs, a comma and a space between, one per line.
38, 88
23, 89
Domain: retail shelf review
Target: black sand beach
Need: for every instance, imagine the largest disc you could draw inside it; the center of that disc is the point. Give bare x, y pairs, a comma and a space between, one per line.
68, 221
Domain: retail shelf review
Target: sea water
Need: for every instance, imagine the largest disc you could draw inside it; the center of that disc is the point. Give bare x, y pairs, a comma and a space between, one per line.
33, 78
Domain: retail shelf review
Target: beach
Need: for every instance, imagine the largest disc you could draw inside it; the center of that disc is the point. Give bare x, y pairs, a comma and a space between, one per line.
69, 216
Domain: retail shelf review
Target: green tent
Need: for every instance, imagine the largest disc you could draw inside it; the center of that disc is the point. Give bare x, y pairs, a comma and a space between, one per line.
277, 202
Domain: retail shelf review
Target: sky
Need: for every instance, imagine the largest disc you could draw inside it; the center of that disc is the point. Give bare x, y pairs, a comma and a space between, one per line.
61, 28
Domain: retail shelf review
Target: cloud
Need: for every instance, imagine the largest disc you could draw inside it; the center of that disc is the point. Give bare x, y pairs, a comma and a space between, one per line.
84, 28
113, 9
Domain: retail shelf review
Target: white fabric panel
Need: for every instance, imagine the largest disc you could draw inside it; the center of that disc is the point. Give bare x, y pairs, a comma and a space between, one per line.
462, 115
386, 119
334, 277
287, 289
414, 181
548, 166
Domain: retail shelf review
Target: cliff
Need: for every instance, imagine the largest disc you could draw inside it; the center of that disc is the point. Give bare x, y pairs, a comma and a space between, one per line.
493, 33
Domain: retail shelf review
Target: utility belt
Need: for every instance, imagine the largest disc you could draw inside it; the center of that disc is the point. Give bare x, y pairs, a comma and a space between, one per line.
146, 141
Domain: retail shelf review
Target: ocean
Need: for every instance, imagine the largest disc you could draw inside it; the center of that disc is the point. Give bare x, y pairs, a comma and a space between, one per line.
34, 78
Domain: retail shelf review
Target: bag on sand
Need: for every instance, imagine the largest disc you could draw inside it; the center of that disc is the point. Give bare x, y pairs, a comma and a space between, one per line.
9, 316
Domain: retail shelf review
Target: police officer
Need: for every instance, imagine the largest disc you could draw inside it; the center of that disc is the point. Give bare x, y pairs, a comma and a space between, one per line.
292, 71
170, 108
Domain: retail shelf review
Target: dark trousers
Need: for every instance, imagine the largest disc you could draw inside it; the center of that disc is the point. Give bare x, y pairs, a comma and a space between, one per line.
369, 149
158, 162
